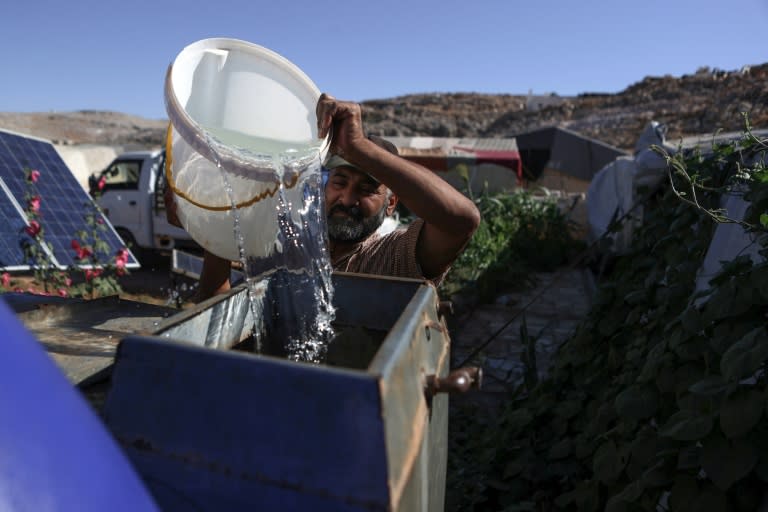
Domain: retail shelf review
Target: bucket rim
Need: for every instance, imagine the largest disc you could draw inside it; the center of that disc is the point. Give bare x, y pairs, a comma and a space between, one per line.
193, 132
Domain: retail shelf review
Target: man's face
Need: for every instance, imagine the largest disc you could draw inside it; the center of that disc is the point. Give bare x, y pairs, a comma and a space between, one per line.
355, 204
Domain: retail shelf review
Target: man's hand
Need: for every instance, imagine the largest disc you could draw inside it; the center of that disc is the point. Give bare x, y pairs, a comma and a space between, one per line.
343, 120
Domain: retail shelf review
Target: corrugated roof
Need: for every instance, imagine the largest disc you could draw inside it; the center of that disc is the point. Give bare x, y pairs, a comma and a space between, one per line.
451, 145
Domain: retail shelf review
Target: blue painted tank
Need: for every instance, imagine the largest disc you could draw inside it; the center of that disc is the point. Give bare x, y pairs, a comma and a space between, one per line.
232, 430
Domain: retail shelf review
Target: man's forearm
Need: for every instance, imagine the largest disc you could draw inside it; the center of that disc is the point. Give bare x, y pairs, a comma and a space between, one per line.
421, 190
214, 278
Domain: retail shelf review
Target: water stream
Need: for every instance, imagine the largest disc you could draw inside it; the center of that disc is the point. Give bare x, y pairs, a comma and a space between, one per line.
296, 269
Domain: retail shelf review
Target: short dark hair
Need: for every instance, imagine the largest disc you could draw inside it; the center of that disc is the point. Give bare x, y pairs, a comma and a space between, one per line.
384, 143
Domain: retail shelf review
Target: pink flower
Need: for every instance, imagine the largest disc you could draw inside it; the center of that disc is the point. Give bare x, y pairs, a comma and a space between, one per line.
121, 256
34, 204
34, 176
120, 264
68, 281
82, 252
33, 229
92, 273
101, 183
6, 279
62, 292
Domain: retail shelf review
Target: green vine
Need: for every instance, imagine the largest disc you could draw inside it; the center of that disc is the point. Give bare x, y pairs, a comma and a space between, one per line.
658, 400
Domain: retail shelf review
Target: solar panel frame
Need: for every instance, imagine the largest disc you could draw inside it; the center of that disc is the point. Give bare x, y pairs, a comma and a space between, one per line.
12, 234
64, 202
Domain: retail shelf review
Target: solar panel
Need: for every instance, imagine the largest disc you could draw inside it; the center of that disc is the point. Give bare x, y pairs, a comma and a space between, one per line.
12, 226
64, 204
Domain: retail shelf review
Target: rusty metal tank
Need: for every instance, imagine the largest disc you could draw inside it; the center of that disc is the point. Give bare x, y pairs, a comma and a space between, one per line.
232, 430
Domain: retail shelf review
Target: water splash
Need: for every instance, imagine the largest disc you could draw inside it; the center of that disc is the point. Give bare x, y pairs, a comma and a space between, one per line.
299, 312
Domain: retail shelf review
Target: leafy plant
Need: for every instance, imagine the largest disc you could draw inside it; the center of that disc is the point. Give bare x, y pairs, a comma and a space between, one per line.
658, 400
97, 271
519, 233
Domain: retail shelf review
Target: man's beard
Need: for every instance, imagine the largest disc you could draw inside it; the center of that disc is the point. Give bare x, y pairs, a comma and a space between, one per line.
355, 227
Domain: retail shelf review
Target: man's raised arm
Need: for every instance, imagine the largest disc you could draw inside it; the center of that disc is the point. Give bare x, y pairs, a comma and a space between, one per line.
450, 218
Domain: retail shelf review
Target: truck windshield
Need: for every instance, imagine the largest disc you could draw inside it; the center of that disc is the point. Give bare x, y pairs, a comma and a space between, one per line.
123, 174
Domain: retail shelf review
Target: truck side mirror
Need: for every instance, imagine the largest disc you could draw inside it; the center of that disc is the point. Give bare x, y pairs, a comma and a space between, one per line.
93, 184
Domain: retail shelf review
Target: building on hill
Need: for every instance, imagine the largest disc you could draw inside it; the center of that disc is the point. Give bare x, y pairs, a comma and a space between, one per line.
558, 160
482, 164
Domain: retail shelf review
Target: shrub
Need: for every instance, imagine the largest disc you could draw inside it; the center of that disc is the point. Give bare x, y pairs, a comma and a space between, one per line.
520, 233
658, 400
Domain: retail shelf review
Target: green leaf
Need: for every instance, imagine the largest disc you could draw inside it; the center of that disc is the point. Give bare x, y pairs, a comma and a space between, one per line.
745, 356
636, 297
683, 492
560, 450
713, 385
568, 409
761, 470
629, 495
688, 458
584, 496
764, 220
659, 475
688, 374
710, 500
726, 463
514, 468
687, 426
643, 448
607, 464
657, 356
740, 412
610, 324
582, 447
519, 418
637, 402
691, 320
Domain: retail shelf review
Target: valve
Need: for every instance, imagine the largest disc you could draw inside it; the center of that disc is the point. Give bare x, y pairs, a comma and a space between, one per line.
460, 380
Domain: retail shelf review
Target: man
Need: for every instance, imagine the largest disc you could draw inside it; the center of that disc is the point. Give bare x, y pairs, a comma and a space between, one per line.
366, 180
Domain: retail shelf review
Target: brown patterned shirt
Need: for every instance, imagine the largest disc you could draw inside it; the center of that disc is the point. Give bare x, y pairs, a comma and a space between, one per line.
393, 254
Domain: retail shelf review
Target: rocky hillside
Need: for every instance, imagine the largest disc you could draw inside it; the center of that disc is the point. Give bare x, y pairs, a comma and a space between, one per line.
699, 103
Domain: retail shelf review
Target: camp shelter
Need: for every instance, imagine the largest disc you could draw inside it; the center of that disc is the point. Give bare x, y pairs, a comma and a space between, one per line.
560, 159
491, 163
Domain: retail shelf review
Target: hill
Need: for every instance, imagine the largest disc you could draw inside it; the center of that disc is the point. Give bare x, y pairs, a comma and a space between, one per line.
700, 103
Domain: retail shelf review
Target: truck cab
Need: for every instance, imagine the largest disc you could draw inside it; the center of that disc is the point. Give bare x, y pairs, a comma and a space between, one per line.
132, 198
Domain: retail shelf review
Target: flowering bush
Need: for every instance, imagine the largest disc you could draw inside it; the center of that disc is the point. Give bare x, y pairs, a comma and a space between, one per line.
96, 271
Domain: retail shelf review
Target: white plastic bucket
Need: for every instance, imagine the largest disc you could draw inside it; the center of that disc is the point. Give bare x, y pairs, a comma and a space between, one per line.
241, 115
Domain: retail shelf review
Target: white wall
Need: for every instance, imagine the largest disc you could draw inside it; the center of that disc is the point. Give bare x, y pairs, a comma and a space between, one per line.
86, 160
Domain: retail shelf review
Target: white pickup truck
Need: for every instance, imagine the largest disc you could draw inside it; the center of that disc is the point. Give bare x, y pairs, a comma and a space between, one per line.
132, 199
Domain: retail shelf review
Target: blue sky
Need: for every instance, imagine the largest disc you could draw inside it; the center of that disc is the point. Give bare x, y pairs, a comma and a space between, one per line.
108, 55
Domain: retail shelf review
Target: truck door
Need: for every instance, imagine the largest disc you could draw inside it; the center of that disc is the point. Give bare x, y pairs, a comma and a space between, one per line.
124, 203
